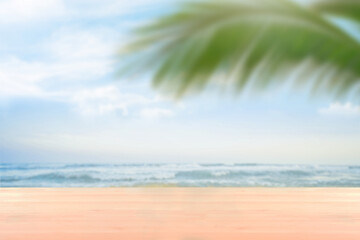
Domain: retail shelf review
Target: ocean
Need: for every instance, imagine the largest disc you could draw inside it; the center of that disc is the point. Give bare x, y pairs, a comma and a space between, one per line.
181, 175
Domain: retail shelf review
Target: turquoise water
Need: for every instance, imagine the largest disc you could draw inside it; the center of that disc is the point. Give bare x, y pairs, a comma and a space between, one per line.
182, 174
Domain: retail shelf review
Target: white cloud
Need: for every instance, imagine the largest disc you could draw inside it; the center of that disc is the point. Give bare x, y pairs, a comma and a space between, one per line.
71, 58
70, 55
347, 109
26, 79
82, 54
112, 98
24, 11
156, 113
19, 78
102, 100
79, 44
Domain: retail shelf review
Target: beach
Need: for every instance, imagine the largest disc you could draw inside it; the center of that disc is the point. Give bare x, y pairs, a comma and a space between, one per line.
180, 213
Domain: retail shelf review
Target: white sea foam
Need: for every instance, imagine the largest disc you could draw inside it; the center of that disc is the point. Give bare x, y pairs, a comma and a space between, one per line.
180, 174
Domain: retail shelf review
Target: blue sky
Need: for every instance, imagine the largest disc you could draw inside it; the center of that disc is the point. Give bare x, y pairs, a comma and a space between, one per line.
60, 99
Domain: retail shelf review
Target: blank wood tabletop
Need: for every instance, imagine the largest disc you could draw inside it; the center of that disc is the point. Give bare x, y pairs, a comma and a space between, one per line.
180, 213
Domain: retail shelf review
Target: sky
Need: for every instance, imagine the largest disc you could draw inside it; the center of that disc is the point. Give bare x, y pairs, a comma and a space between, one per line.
60, 99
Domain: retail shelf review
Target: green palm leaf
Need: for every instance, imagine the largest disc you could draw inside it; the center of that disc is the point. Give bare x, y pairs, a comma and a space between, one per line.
343, 8
253, 44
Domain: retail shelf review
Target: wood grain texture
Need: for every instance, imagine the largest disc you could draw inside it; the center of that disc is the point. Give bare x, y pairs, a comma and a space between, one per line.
180, 214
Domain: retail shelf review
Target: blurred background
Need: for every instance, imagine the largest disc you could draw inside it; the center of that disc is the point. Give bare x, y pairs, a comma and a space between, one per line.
63, 98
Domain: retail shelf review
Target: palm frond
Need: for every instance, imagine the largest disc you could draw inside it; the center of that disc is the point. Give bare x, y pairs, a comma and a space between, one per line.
244, 43
343, 8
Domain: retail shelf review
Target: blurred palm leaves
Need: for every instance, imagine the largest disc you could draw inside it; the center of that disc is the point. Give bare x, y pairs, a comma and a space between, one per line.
249, 44
343, 8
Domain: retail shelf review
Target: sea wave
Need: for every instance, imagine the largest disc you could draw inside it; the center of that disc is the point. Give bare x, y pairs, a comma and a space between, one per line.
177, 174
53, 177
